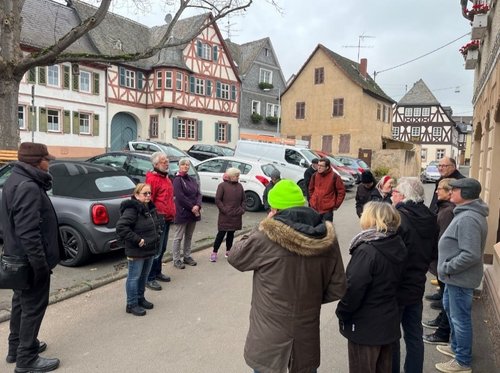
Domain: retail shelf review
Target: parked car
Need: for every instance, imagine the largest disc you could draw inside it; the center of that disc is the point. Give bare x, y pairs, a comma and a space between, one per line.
155, 146
136, 164
354, 163
255, 175
205, 151
86, 198
339, 166
430, 174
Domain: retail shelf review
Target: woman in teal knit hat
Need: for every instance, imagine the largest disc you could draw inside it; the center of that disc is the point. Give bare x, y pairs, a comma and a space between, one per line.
297, 267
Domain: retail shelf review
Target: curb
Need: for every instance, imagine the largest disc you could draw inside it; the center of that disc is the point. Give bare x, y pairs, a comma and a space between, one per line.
66, 293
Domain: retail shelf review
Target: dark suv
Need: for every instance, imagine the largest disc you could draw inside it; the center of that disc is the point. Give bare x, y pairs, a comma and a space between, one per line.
204, 151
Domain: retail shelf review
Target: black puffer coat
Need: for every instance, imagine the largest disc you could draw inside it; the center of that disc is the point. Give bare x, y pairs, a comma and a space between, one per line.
138, 221
368, 313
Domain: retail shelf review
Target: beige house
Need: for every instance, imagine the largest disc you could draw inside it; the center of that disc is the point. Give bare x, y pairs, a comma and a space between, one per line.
335, 105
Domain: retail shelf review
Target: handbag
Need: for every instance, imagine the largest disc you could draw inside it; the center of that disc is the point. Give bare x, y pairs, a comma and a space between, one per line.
15, 272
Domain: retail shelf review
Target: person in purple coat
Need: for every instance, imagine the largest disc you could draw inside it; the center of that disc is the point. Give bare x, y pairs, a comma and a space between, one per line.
187, 198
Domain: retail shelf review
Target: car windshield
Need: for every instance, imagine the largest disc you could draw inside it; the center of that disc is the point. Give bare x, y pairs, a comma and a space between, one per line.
172, 151
309, 154
268, 169
227, 151
336, 162
362, 164
432, 169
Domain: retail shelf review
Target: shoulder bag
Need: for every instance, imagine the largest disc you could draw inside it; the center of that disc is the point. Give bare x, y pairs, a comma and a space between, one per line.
15, 272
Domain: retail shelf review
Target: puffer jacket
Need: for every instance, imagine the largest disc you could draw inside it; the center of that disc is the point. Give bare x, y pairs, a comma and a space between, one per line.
297, 266
138, 221
162, 194
230, 200
368, 313
187, 194
363, 195
326, 191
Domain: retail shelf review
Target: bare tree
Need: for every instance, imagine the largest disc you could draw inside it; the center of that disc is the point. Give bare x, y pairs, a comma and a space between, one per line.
14, 63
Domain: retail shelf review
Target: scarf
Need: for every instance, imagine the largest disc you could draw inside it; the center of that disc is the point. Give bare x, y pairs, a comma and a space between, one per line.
162, 173
368, 235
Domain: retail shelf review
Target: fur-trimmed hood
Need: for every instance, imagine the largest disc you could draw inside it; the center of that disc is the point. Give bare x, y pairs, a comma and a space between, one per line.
300, 230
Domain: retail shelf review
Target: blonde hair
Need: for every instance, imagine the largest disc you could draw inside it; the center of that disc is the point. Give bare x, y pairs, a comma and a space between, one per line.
233, 171
445, 184
139, 187
380, 215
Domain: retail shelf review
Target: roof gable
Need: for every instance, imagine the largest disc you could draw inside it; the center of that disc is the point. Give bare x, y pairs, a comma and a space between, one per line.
419, 94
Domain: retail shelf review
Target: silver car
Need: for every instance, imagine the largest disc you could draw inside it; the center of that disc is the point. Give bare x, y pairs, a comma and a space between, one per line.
86, 198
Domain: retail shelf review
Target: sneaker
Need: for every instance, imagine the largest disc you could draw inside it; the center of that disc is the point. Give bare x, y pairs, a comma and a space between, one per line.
446, 350
431, 324
226, 254
179, 264
453, 366
213, 257
190, 261
432, 297
434, 339
153, 285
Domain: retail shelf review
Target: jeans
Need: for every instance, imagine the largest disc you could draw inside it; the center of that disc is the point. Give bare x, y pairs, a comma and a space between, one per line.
182, 232
411, 322
138, 271
156, 266
457, 302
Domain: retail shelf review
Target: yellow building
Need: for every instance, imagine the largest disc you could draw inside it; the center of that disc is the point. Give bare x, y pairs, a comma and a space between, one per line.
335, 105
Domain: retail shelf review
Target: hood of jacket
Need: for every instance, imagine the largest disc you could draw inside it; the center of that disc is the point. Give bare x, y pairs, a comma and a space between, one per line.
419, 216
390, 248
139, 206
42, 178
299, 230
478, 206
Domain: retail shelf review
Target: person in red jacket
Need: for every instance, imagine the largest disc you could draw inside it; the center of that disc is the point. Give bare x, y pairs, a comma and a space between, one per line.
162, 195
326, 190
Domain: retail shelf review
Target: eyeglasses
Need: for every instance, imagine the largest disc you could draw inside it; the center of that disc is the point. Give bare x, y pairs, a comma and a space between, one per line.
146, 193
443, 165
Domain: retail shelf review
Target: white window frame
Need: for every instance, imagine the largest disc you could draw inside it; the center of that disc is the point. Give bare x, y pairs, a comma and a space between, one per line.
159, 79
437, 131
225, 90
21, 117
255, 107
417, 112
168, 79
415, 132
84, 121
53, 75
272, 110
129, 78
408, 112
85, 82
206, 51
440, 153
265, 76
395, 132
187, 129
199, 86
178, 81
221, 132
53, 120
153, 126
426, 111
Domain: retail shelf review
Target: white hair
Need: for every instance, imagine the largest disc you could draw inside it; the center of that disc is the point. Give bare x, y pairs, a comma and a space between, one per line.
412, 189
156, 157
184, 161
233, 171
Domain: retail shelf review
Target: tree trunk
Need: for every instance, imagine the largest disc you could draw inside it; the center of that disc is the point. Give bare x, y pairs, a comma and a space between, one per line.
9, 127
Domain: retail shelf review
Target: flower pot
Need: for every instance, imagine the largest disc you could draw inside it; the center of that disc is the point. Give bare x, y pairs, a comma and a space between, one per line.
479, 26
471, 59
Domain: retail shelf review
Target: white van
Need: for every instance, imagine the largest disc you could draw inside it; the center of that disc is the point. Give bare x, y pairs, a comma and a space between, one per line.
292, 161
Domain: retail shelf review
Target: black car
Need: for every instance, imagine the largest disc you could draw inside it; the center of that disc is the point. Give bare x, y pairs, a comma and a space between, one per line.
86, 198
136, 164
204, 151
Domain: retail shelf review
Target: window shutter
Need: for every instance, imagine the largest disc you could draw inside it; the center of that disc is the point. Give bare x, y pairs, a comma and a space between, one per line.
216, 128
122, 76
199, 130
191, 84
31, 118
218, 90
175, 128
209, 87
76, 82
228, 126
42, 123
32, 75
199, 48
67, 77
42, 75
216, 53
67, 121
95, 125
76, 123
140, 80
96, 84
233, 92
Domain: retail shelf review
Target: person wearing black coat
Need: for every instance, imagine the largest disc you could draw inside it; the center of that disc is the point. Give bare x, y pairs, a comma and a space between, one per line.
30, 229
419, 231
368, 312
383, 190
308, 174
447, 168
364, 191
138, 228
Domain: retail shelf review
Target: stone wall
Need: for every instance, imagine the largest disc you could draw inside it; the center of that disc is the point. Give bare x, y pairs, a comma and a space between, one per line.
401, 162
491, 298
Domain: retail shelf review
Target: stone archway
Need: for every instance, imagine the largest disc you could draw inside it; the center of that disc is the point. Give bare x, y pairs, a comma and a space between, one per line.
123, 130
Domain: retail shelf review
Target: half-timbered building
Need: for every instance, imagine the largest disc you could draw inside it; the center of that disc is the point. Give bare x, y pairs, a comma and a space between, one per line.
419, 118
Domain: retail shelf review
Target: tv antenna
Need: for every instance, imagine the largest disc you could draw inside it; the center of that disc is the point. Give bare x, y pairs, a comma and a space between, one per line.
361, 38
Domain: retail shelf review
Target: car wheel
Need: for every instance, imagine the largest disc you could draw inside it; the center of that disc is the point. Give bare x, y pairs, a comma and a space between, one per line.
75, 247
252, 201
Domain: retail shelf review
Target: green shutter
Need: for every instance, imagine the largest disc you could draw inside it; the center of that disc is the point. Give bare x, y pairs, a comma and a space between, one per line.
31, 118
215, 131
96, 84
42, 122
199, 48
140, 80
122, 75
67, 77
32, 75
191, 83
76, 123
218, 90
200, 130
175, 128
209, 87
233, 92
42, 75
76, 82
67, 121
95, 125
216, 53
228, 139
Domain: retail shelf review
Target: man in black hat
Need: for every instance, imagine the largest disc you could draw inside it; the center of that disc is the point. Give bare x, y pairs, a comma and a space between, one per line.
31, 230
364, 191
308, 174
275, 177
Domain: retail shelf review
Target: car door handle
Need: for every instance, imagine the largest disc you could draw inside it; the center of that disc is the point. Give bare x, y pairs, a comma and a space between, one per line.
215, 178
243, 181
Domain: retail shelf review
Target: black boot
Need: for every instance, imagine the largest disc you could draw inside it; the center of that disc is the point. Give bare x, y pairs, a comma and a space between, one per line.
136, 310
145, 304
41, 364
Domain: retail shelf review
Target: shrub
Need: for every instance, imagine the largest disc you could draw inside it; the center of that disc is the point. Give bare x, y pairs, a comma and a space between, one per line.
272, 120
264, 85
381, 171
256, 117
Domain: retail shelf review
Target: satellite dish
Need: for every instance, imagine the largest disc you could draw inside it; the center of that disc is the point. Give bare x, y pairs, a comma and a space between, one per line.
168, 18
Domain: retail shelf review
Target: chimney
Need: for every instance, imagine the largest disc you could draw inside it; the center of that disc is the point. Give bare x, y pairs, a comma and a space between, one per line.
363, 65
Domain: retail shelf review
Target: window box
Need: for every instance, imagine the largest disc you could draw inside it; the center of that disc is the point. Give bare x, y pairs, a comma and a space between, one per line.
256, 118
471, 59
265, 85
479, 25
272, 120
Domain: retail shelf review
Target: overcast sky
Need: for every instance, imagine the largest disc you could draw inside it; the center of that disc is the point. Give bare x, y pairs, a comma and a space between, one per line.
398, 30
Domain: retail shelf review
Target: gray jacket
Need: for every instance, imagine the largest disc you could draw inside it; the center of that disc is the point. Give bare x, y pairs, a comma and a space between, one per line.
461, 246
